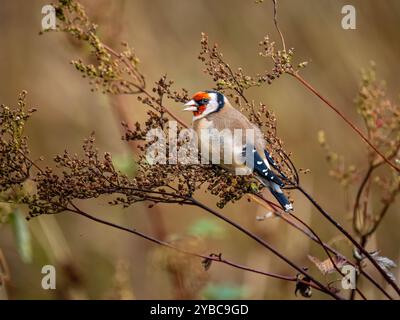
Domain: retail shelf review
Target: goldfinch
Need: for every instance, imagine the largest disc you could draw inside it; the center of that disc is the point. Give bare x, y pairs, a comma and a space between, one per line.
213, 114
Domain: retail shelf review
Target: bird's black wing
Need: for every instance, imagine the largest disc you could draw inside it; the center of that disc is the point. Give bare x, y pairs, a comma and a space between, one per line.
261, 168
272, 162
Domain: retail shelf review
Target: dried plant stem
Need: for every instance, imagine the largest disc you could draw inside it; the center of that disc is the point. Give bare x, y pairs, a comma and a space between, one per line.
296, 75
275, 2
266, 245
364, 237
328, 249
381, 215
213, 257
142, 89
4, 270
309, 232
335, 109
327, 253
363, 243
360, 191
348, 236
385, 208
318, 240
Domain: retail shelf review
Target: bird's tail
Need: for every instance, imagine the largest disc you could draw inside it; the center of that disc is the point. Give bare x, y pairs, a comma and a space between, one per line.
281, 197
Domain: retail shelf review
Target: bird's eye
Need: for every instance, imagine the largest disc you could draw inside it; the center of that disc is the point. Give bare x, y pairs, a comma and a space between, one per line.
205, 101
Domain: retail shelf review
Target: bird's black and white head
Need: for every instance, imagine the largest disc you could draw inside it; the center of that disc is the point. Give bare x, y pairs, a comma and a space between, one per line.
205, 102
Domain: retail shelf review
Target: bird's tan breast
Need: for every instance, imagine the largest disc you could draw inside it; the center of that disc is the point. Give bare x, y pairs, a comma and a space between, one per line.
203, 124
216, 139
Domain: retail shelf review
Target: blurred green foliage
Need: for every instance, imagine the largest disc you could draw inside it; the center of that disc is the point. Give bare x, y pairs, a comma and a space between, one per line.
124, 163
22, 235
205, 227
224, 291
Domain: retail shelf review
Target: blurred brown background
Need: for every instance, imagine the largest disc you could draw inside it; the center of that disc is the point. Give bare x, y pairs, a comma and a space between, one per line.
94, 261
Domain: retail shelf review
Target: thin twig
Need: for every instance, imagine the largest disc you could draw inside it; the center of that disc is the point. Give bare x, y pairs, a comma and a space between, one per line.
275, 2
212, 257
348, 236
327, 253
267, 246
285, 217
142, 89
335, 109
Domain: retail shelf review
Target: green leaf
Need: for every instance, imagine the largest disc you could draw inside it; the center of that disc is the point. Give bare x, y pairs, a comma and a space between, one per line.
22, 235
224, 292
125, 164
206, 228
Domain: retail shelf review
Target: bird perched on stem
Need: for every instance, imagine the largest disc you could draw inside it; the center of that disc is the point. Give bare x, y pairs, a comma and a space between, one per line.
216, 123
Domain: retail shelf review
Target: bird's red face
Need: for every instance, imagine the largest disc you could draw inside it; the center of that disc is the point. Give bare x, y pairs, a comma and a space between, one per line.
204, 103
198, 104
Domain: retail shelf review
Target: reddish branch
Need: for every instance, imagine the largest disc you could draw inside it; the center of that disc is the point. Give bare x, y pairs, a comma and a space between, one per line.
353, 241
353, 126
212, 257
309, 232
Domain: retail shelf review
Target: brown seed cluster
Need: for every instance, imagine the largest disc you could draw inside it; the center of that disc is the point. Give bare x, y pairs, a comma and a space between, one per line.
113, 72
92, 175
234, 83
15, 165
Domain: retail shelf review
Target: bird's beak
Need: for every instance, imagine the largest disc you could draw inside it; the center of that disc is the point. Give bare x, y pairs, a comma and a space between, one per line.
190, 106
